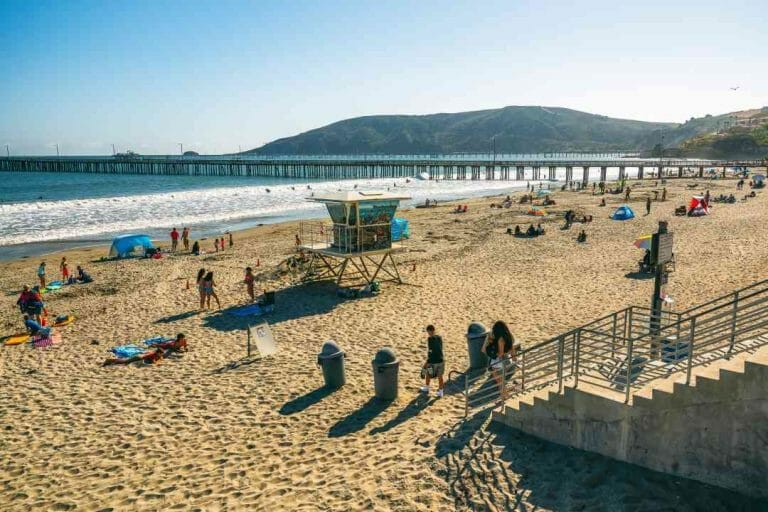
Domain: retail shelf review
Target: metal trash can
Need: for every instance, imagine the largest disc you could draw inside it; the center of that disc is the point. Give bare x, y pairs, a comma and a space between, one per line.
477, 333
331, 360
385, 370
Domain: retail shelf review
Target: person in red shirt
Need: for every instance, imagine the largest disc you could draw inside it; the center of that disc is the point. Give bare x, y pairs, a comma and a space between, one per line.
174, 239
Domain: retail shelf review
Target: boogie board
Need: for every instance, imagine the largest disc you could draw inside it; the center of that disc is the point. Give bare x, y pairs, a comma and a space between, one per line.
68, 321
17, 339
52, 287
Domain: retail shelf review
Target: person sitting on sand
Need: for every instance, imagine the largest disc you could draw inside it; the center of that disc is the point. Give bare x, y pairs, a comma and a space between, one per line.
148, 357
582, 237
602, 202
518, 231
531, 231
83, 276
539, 230
196, 248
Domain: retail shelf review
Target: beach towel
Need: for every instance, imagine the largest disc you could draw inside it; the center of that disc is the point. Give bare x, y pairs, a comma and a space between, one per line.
126, 351
46, 341
150, 342
249, 310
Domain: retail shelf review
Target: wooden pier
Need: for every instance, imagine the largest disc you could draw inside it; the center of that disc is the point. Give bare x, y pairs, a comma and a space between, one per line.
583, 170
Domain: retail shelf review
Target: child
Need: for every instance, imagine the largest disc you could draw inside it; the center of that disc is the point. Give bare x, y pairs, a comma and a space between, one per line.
216, 244
64, 269
222, 244
249, 282
41, 274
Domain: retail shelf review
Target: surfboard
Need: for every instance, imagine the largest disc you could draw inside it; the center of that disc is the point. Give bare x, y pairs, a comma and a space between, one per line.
65, 322
17, 339
55, 285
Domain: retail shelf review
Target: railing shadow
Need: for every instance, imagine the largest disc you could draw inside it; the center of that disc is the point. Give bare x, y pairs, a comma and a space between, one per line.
414, 407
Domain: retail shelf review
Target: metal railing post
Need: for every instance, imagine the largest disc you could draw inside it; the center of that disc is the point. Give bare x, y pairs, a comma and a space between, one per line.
522, 362
733, 321
629, 370
691, 335
466, 393
628, 324
560, 356
577, 353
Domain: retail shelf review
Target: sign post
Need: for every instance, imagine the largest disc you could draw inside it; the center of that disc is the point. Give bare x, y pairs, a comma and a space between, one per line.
661, 254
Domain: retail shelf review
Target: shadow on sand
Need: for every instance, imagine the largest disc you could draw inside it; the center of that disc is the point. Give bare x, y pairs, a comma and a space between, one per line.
639, 275
414, 407
297, 301
305, 401
179, 316
359, 419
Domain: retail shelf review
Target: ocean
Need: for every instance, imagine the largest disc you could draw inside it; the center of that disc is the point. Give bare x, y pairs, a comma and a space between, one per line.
46, 212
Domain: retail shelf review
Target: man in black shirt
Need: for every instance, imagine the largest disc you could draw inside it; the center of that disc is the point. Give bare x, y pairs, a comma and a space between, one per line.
435, 365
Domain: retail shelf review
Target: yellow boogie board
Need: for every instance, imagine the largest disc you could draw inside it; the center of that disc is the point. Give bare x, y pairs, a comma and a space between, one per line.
17, 339
65, 322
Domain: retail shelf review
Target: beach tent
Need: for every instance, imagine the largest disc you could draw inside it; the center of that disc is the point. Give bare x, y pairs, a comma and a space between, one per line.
623, 212
758, 178
697, 207
400, 229
129, 246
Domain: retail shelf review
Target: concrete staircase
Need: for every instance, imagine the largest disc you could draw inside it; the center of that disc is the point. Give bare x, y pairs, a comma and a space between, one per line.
714, 429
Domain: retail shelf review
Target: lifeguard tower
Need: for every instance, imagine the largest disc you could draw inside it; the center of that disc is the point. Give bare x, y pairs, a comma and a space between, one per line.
357, 246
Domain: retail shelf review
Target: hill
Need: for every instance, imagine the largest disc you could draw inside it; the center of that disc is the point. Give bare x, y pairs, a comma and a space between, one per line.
742, 135
516, 129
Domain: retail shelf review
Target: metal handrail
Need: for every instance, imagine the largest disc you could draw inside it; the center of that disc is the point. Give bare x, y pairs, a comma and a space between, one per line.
625, 340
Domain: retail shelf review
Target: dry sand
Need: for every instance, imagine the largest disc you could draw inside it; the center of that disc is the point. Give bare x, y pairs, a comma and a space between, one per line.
192, 434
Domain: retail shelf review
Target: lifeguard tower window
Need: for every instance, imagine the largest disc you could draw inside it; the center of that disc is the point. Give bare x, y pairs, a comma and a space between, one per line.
360, 227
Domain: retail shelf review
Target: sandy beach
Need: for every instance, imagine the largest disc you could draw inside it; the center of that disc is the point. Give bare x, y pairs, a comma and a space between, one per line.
191, 433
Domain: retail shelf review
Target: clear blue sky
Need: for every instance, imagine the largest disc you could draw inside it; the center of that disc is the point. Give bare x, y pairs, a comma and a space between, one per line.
146, 75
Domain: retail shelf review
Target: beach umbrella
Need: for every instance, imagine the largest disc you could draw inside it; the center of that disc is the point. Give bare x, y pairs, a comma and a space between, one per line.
643, 242
537, 211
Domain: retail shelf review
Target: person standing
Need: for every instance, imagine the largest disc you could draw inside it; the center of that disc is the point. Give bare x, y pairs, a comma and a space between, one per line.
648, 205
222, 244
174, 239
209, 289
200, 286
216, 244
435, 365
664, 194
185, 238
64, 269
41, 274
231, 241
249, 283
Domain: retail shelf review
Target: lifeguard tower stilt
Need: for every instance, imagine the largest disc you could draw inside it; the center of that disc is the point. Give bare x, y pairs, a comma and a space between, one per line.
357, 246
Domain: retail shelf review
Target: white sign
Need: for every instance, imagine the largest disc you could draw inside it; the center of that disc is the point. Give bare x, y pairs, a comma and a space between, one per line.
262, 336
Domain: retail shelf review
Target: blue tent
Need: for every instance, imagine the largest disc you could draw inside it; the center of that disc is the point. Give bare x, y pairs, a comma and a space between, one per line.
623, 212
400, 229
128, 246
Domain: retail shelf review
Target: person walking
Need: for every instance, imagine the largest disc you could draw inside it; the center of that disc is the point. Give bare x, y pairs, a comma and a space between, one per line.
41, 274
200, 289
185, 238
64, 269
435, 365
500, 348
174, 239
231, 241
249, 283
222, 244
648, 205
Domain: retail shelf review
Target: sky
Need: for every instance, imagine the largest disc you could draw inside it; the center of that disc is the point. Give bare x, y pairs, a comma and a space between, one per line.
221, 75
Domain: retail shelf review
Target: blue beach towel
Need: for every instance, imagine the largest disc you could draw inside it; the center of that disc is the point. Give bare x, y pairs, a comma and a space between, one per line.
125, 351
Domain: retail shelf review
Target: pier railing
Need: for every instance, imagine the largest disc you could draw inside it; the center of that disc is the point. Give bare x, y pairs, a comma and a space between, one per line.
624, 351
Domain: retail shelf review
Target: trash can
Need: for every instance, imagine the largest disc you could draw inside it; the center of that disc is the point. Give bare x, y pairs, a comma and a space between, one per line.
385, 370
477, 333
331, 361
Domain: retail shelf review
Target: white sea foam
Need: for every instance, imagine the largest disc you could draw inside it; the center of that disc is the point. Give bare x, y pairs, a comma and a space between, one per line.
40, 221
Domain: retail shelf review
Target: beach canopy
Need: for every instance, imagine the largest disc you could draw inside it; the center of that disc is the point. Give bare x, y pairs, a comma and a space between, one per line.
130, 246
623, 212
400, 229
698, 207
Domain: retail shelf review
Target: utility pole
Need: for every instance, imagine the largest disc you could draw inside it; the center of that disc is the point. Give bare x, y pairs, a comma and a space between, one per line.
181, 149
113, 150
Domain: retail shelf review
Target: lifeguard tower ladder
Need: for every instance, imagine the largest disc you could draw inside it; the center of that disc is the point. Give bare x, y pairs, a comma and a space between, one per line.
357, 245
